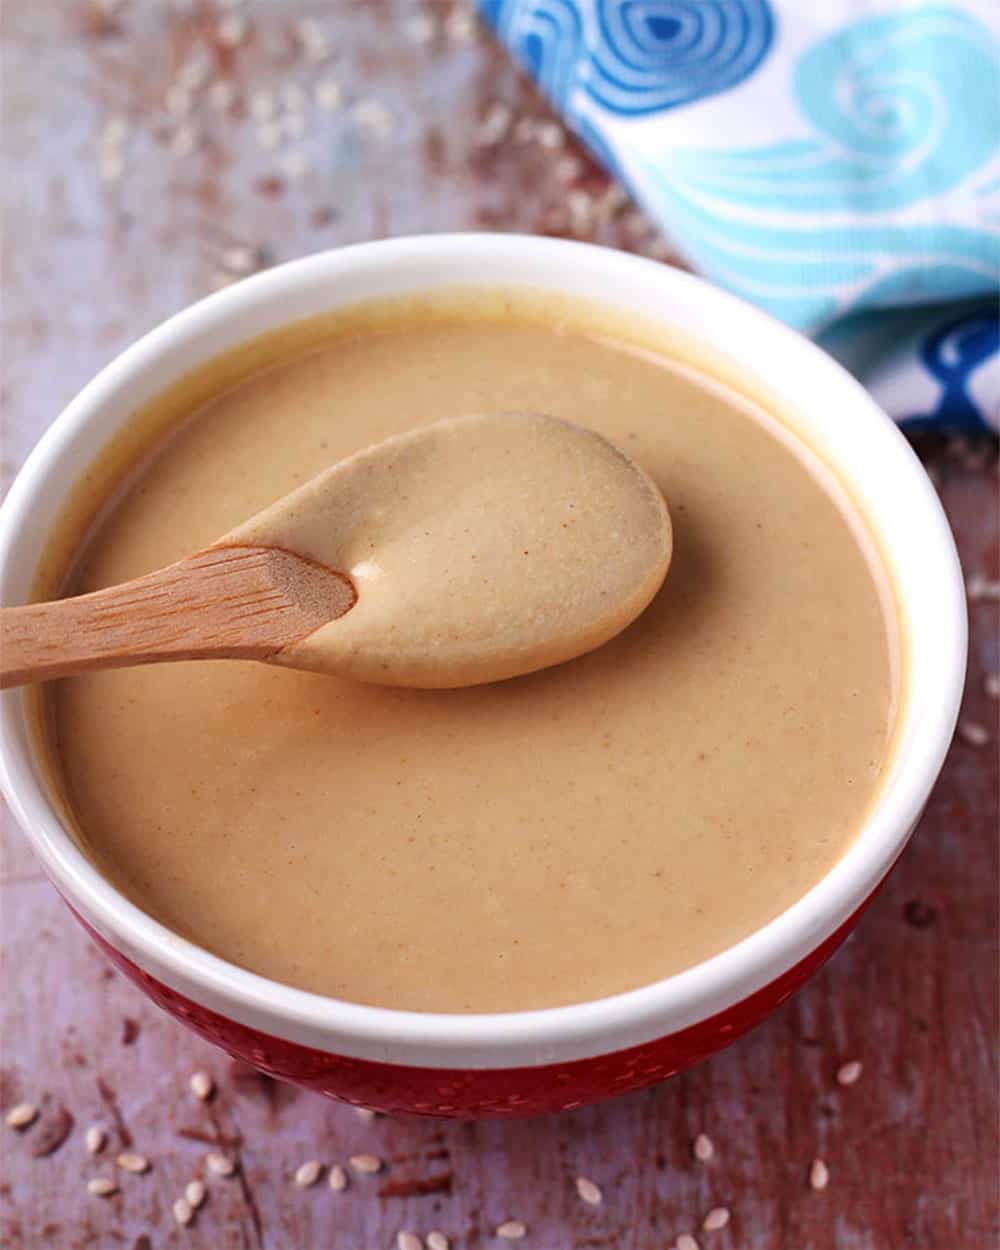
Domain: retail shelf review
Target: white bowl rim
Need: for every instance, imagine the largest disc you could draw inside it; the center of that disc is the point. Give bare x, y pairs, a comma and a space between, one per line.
512, 1039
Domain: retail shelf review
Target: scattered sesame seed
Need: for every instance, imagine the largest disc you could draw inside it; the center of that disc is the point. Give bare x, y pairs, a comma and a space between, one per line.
365, 1113
313, 38
95, 1139
658, 249
550, 135
193, 74
114, 132
232, 30
269, 135
327, 95
263, 106
568, 169
686, 1242
436, 1240
991, 684
240, 258
978, 587
184, 140
703, 1147
307, 1174
524, 130
611, 202
512, 1230
588, 1191
202, 1086
420, 29
22, 1115
495, 124
183, 1212
717, 1218
177, 100
819, 1175
973, 735
408, 1241
848, 1073
294, 165
338, 1179
195, 1193
109, 7
101, 1187
220, 1165
374, 117
135, 1163
366, 1163
222, 95
459, 26
110, 166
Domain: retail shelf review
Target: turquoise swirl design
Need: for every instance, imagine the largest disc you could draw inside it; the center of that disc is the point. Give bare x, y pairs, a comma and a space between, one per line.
903, 106
634, 57
652, 55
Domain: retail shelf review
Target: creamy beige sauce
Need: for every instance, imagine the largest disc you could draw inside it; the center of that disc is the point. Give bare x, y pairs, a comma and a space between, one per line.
480, 547
558, 837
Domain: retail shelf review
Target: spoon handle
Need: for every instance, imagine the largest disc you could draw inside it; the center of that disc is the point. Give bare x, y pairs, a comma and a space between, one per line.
227, 602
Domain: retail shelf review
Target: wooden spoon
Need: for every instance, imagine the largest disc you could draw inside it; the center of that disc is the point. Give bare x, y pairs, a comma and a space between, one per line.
471, 550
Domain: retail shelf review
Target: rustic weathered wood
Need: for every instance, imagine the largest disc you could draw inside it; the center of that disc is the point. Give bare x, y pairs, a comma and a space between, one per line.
226, 603
912, 1147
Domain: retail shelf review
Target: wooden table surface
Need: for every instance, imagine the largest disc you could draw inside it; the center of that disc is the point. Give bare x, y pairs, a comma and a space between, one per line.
154, 149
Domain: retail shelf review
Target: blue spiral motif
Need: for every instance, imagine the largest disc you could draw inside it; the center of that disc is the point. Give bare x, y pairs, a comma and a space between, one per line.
652, 55
952, 354
634, 57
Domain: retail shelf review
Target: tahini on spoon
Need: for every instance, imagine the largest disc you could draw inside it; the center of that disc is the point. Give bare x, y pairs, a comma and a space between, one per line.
471, 550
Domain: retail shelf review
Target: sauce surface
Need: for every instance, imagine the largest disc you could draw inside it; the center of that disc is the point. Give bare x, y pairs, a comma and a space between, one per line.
480, 548
558, 837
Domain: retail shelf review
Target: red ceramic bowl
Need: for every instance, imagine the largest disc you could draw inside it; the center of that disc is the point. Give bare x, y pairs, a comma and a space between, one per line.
519, 1062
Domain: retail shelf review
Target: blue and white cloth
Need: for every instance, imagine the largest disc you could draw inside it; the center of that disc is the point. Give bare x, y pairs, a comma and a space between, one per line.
836, 162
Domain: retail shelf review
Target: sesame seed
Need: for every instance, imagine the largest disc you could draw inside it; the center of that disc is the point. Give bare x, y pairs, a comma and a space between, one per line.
459, 26
550, 135
110, 166
408, 1241
183, 1211
269, 135
177, 100
193, 74
22, 1115
202, 1086
686, 1242
313, 38
849, 1072
222, 95
232, 30
194, 1193
524, 130
240, 258
263, 106
703, 1147
365, 1113
512, 1230
338, 1179
420, 28
95, 1139
327, 95
568, 169
973, 735
717, 1218
588, 1191
114, 132
307, 1174
495, 124
220, 1165
991, 684
294, 165
101, 1187
819, 1174
436, 1240
366, 1163
979, 587
184, 140
373, 116
135, 1163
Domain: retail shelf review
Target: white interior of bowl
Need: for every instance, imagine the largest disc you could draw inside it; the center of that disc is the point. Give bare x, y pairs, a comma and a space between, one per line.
844, 425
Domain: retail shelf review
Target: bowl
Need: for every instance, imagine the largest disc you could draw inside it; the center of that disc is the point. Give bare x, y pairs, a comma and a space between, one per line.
513, 1063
